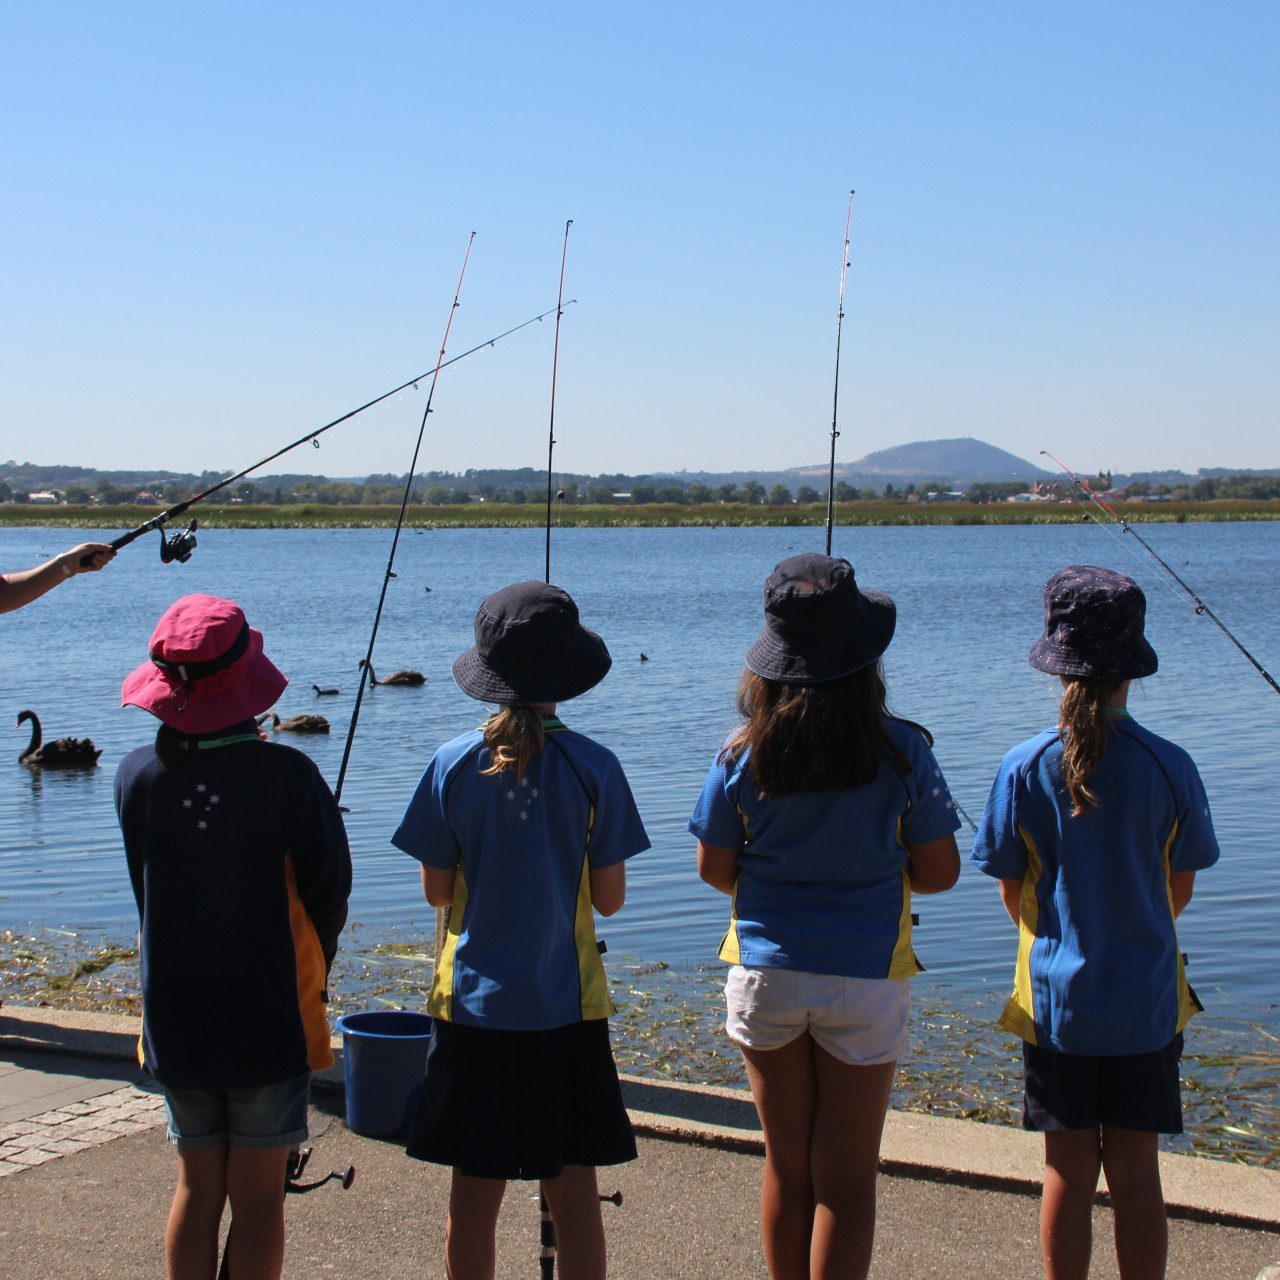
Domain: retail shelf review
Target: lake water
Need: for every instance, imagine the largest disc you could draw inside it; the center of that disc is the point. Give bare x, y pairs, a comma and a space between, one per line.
969, 605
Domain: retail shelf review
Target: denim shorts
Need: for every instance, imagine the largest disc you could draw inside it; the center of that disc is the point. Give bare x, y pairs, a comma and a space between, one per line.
269, 1115
858, 1021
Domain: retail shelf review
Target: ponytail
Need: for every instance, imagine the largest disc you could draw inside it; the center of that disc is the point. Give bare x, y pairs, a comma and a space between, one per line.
514, 737
1083, 725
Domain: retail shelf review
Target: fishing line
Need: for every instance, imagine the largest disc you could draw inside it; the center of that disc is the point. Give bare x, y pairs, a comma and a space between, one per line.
395, 537
179, 546
1081, 486
555, 361
835, 393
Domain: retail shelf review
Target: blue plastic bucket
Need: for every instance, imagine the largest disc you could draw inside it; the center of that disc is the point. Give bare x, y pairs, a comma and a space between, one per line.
384, 1056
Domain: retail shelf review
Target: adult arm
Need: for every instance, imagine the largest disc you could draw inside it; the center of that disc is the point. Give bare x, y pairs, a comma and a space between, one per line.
1181, 884
718, 867
1011, 896
934, 866
608, 887
18, 589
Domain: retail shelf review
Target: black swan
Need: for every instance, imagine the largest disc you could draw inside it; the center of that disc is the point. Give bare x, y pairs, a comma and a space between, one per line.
325, 693
396, 677
58, 753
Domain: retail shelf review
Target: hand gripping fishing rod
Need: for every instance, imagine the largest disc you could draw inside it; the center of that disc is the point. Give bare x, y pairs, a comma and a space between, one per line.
835, 394
179, 545
1080, 486
555, 361
365, 666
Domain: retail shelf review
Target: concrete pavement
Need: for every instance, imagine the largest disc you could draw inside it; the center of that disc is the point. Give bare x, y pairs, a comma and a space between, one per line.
958, 1199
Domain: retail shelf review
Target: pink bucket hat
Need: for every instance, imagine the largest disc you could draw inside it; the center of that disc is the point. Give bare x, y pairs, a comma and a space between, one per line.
206, 670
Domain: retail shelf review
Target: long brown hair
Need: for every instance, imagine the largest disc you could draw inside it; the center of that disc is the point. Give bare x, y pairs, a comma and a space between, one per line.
514, 737
814, 737
1084, 728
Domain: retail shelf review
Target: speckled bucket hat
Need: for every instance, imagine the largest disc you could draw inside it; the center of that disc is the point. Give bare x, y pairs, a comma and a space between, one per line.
530, 647
819, 624
1093, 624
207, 669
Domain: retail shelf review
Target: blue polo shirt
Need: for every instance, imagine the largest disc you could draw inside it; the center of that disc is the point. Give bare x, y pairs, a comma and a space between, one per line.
822, 875
521, 951
1098, 968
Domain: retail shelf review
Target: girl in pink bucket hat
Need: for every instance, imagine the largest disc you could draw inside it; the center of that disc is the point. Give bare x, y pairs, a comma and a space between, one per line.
241, 873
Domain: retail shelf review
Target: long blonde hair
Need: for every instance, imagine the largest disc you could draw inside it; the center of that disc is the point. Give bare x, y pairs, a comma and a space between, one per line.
1084, 728
514, 738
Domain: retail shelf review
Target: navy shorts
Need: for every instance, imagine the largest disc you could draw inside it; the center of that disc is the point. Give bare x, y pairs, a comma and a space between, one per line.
1139, 1091
521, 1104
269, 1115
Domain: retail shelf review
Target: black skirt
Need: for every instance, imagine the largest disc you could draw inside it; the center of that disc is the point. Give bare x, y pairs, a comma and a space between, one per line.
521, 1104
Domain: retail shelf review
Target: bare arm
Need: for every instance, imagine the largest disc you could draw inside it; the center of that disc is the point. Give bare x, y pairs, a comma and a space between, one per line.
1011, 896
1180, 885
718, 867
437, 886
933, 867
18, 589
608, 888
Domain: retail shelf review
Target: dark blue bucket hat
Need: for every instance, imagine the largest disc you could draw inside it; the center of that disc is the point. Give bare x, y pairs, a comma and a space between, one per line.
530, 647
818, 624
1093, 621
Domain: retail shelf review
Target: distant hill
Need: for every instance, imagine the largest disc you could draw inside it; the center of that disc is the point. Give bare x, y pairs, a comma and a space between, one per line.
963, 461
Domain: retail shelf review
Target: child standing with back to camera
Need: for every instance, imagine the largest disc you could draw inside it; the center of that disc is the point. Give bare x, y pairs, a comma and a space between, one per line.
821, 815
522, 828
1096, 830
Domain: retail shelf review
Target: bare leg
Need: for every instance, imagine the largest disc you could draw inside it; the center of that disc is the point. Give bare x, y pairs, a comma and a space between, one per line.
1137, 1201
845, 1157
473, 1220
783, 1085
574, 1201
1072, 1161
255, 1186
191, 1237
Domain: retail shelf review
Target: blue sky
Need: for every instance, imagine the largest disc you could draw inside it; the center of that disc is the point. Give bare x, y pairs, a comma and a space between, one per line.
226, 224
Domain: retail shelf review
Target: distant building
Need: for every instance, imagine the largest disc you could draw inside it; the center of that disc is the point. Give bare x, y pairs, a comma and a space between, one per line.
44, 499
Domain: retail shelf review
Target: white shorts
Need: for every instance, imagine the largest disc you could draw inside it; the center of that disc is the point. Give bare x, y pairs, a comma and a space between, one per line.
858, 1021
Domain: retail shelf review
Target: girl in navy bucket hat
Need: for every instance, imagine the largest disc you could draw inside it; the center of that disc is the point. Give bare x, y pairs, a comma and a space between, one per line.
820, 816
522, 827
1095, 830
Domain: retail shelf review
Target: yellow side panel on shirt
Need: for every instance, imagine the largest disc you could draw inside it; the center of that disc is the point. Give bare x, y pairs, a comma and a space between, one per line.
596, 1001
1188, 1002
903, 963
1019, 1014
440, 1002
311, 976
730, 951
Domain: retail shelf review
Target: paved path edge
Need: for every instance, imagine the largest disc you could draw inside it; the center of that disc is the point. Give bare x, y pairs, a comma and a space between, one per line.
928, 1148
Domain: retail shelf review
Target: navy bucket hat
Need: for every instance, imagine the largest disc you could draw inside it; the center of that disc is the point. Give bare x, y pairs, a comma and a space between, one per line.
1093, 624
818, 624
530, 647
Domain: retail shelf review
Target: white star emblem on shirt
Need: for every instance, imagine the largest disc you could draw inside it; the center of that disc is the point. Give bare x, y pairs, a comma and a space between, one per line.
202, 825
524, 815
201, 788
214, 799
186, 804
511, 795
937, 791
533, 795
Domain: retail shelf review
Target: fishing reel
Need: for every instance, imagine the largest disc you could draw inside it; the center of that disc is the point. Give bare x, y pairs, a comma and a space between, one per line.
179, 545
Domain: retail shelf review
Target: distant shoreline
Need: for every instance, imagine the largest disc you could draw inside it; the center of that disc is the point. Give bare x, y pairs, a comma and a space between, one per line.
490, 515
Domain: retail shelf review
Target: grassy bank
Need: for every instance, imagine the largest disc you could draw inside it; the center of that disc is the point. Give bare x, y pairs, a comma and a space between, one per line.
491, 515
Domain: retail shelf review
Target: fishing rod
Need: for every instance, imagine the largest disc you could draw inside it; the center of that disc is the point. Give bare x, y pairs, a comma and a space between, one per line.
835, 394
179, 545
555, 360
365, 666
1082, 486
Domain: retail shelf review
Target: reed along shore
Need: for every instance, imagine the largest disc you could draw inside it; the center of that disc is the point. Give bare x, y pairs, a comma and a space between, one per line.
496, 515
